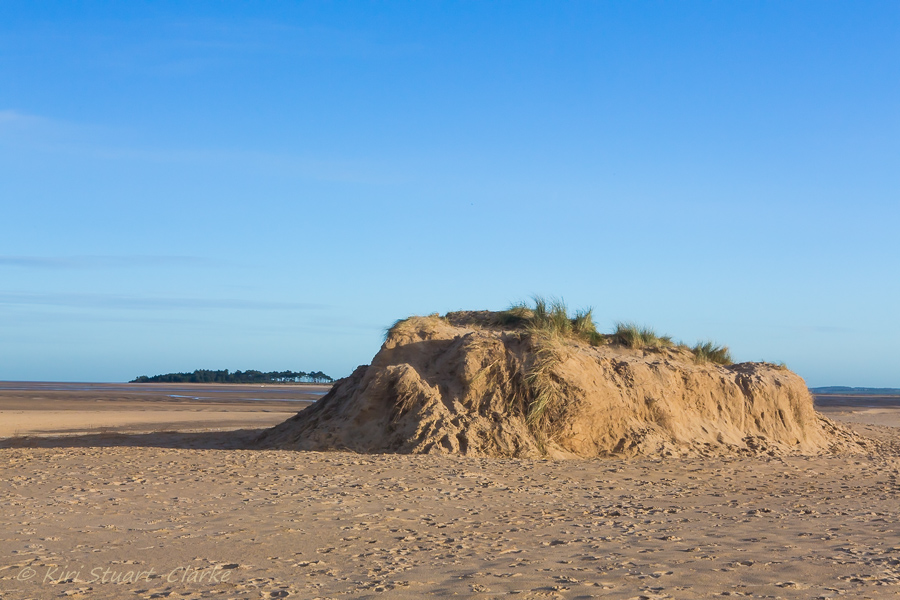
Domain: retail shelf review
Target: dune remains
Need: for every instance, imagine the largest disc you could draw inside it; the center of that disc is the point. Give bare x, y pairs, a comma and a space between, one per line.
471, 383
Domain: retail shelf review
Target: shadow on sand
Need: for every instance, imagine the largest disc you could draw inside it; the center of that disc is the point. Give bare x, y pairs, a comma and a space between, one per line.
242, 439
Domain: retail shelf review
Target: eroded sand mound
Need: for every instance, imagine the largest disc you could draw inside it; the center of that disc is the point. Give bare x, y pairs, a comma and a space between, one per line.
464, 384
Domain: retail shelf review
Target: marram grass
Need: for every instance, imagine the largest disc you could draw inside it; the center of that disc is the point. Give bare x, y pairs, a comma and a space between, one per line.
551, 317
711, 352
634, 336
544, 393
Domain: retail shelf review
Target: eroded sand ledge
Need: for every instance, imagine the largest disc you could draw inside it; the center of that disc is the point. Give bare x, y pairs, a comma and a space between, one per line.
464, 384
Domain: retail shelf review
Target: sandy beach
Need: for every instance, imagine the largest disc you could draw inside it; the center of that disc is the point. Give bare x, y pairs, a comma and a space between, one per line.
189, 512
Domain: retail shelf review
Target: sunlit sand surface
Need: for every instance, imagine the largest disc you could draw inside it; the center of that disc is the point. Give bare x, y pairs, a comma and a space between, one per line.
195, 514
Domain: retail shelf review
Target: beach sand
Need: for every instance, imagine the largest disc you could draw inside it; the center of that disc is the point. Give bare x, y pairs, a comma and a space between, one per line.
194, 514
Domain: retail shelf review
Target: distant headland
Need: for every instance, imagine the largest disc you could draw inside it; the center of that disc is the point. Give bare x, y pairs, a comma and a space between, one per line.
225, 376
854, 391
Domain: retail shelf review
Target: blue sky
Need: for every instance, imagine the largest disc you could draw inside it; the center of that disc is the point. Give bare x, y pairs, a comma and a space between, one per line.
270, 185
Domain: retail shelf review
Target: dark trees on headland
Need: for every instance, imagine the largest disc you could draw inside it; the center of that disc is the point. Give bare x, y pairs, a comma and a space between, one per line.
208, 376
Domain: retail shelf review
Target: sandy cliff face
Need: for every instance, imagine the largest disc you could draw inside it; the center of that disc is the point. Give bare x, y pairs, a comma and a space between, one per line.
462, 384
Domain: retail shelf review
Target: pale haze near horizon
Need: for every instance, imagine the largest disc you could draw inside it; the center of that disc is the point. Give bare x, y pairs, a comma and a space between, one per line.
225, 185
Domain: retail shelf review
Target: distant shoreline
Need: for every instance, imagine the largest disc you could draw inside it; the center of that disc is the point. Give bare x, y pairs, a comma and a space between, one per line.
66, 409
837, 390
212, 383
12, 385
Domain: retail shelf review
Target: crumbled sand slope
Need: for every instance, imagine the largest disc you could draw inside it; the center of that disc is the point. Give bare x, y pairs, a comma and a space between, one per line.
461, 385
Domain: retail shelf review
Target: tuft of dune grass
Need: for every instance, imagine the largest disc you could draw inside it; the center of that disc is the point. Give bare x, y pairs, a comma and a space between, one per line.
709, 351
634, 336
543, 390
551, 317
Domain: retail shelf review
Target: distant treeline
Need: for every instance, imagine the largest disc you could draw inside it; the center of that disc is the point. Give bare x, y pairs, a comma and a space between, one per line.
207, 376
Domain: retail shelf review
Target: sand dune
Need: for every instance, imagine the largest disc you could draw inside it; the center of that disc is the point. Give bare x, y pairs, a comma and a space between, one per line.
469, 383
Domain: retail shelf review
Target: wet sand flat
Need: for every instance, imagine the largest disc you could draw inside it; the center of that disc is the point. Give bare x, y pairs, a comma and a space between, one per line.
876, 417
199, 516
28, 408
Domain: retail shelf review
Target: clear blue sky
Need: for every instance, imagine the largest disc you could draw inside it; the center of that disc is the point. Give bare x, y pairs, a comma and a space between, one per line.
269, 185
